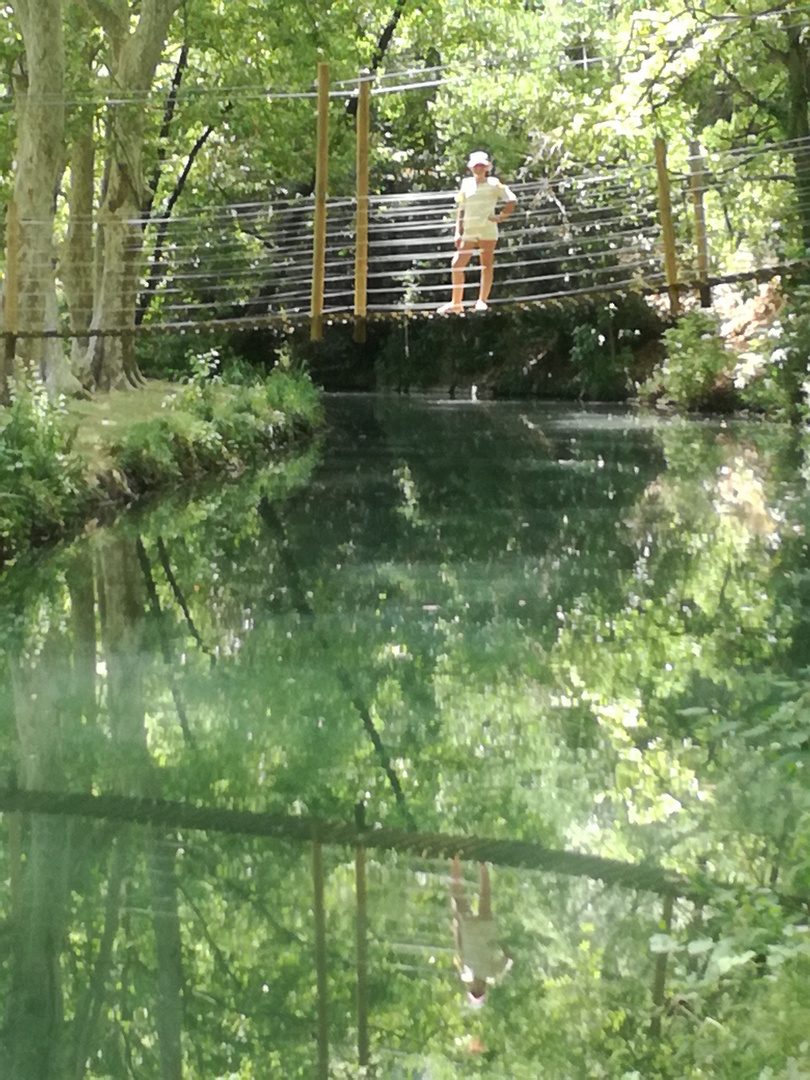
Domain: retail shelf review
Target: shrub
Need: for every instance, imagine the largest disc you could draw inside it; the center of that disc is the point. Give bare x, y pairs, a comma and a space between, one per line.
697, 370
601, 366
773, 377
210, 426
207, 428
177, 446
41, 479
175, 356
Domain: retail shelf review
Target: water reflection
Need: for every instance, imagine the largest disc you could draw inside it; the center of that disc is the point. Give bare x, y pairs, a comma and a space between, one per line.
568, 646
481, 958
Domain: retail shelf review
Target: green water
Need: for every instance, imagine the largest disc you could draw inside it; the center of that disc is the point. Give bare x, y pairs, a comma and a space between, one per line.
544, 632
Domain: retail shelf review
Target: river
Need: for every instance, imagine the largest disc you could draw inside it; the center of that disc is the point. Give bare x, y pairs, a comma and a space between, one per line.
253, 726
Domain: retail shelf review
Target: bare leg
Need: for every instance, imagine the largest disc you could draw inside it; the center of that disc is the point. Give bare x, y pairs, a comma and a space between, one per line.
484, 895
458, 903
457, 898
460, 260
487, 259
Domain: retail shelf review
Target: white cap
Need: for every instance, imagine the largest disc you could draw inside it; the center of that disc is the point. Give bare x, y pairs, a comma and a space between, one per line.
478, 157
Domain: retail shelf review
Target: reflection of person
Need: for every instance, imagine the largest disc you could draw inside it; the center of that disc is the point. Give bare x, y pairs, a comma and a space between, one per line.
477, 227
481, 961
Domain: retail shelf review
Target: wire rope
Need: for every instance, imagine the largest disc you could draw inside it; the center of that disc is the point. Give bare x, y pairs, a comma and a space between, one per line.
253, 256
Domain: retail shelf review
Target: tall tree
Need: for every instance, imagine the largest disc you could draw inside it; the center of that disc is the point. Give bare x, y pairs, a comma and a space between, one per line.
135, 36
39, 81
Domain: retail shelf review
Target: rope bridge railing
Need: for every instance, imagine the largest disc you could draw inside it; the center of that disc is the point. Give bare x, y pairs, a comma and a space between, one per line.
528, 854
603, 231
647, 876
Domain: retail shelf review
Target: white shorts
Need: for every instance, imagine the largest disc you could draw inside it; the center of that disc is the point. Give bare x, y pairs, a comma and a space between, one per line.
479, 230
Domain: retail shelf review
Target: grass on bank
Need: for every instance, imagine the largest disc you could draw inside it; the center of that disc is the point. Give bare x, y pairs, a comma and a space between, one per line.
61, 464
101, 422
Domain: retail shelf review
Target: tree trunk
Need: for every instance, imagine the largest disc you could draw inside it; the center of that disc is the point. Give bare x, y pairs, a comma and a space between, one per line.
161, 854
80, 583
76, 262
34, 1005
122, 642
122, 622
91, 1006
134, 57
39, 94
798, 66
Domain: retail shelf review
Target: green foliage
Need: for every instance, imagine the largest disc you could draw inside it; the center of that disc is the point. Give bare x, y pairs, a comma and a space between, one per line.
562, 629
602, 367
41, 483
696, 372
210, 426
772, 377
173, 356
577, 350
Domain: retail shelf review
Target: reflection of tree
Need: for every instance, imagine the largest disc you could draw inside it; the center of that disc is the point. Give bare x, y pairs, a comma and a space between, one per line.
122, 632
700, 625
34, 1005
680, 679
55, 698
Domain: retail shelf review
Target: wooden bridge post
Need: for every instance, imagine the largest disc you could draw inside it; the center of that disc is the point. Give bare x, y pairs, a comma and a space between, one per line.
362, 954
11, 306
660, 973
697, 177
667, 229
319, 224
320, 961
361, 228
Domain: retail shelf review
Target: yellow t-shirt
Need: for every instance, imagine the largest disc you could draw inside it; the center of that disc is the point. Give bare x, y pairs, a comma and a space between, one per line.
479, 200
481, 955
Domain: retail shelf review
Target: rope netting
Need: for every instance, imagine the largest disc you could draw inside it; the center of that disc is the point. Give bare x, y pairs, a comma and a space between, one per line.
250, 262
592, 233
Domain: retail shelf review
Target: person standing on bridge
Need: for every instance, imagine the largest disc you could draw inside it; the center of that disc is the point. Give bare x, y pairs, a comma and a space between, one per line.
477, 227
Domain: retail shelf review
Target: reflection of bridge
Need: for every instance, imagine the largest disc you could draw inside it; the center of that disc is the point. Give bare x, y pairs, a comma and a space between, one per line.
528, 854
375, 952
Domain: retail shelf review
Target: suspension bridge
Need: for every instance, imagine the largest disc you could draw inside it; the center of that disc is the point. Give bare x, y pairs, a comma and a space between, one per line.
599, 231
588, 231
591, 232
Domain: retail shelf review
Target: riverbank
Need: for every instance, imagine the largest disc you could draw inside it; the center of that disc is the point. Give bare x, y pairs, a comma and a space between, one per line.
103, 420
64, 465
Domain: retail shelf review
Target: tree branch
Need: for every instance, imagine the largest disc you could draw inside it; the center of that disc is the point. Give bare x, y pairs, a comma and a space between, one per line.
270, 518
154, 603
159, 269
112, 20
165, 562
383, 41
168, 116
767, 106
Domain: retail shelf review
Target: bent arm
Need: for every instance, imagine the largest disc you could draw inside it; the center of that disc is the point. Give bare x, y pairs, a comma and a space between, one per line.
508, 963
510, 203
